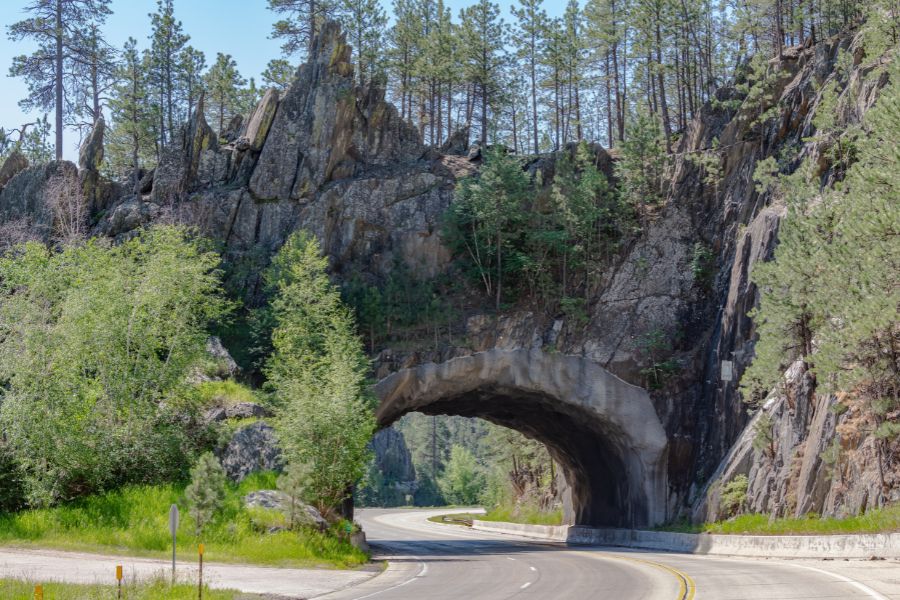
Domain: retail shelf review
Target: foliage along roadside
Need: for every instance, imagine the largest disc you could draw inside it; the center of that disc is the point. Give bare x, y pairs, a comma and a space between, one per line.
134, 519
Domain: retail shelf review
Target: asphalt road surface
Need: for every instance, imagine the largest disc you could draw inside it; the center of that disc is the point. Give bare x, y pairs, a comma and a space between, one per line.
431, 561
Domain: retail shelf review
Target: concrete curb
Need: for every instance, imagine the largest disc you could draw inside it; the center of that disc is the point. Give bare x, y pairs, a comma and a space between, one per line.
881, 545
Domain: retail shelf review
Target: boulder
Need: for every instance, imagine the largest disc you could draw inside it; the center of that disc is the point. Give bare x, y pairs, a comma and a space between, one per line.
232, 129
246, 410
251, 448
219, 353
12, 166
146, 183
261, 120
457, 144
190, 163
98, 193
277, 500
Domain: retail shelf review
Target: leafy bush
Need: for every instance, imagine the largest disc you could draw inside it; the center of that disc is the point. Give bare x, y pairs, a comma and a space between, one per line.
733, 496
96, 342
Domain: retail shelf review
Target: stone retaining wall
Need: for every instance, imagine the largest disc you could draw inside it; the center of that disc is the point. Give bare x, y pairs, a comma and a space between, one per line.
881, 545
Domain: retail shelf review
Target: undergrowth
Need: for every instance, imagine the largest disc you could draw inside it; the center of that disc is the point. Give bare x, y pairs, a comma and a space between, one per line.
134, 520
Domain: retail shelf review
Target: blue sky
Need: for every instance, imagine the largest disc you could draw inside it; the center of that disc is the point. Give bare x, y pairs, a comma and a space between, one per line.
237, 27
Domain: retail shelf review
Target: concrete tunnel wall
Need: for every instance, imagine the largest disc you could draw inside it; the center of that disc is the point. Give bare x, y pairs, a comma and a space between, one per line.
603, 432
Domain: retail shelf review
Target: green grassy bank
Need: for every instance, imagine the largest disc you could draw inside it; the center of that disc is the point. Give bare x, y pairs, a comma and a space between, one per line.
881, 520
134, 521
14, 589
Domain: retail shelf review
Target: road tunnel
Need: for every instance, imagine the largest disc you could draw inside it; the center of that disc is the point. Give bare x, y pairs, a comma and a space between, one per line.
602, 431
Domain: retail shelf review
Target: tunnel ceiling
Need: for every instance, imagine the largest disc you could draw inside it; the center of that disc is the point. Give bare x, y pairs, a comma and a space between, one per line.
602, 431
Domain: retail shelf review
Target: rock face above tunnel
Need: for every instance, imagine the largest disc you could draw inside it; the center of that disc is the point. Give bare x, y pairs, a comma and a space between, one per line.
330, 156
603, 431
327, 129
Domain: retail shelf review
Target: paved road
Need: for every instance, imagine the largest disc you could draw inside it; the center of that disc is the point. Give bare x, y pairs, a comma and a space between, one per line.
434, 562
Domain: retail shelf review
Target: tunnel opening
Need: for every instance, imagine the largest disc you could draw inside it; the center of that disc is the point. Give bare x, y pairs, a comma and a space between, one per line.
601, 431
596, 486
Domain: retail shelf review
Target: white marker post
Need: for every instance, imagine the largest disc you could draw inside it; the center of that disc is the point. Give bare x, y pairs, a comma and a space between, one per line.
173, 529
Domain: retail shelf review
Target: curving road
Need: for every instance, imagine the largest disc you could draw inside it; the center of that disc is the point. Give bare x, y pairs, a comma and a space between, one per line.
431, 561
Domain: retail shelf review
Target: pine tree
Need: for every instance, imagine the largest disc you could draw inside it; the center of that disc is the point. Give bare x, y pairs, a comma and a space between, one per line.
206, 493
364, 22
279, 74
487, 214
640, 168
482, 43
191, 64
94, 67
54, 25
294, 483
223, 82
528, 37
167, 43
405, 40
302, 19
130, 135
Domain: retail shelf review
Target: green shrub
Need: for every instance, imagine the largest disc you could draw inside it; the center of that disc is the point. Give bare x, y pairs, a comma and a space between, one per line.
733, 496
206, 493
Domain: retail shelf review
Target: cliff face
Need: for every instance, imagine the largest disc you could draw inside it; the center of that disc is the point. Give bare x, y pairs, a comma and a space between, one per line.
336, 159
330, 157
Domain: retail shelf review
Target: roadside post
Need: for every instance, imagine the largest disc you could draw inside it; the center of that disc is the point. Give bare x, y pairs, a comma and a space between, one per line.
38, 592
119, 580
200, 586
173, 529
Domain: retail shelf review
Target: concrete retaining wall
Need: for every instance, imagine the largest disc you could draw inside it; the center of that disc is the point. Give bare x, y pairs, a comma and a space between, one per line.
883, 545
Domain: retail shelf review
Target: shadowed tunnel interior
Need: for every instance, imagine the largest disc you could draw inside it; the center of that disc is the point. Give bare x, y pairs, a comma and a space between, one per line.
588, 455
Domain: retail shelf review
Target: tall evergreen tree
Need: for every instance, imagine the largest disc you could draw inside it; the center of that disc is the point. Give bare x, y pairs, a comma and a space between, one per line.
131, 136
191, 65
528, 37
364, 21
167, 43
223, 81
483, 39
94, 67
279, 74
54, 25
302, 19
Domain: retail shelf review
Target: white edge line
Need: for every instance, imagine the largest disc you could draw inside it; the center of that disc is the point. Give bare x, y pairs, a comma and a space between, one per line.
421, 573
860, 586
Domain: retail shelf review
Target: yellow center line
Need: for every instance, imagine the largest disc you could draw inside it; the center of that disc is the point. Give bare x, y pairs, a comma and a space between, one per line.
686, 586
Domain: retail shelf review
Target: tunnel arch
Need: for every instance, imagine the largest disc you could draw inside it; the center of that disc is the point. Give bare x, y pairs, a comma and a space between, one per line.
604, 432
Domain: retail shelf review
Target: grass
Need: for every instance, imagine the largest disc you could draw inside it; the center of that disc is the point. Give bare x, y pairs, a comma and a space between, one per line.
134, 521
16, 589
226, 393
524, 514
879, 520
527, 516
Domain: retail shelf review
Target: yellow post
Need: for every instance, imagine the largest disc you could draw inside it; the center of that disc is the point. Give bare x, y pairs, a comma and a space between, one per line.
119, 580
200, 585
38, 592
